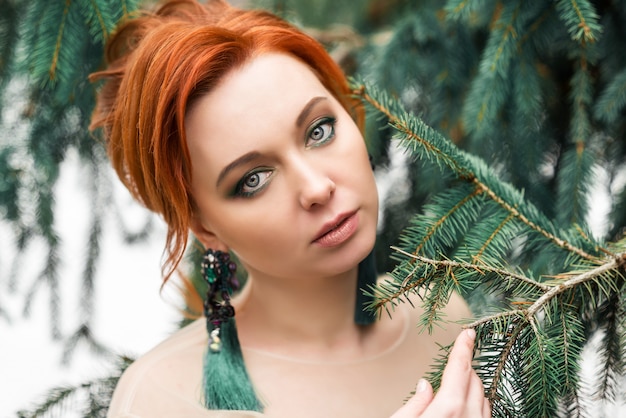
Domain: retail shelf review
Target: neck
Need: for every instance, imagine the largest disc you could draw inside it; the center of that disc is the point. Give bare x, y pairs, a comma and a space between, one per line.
304, 314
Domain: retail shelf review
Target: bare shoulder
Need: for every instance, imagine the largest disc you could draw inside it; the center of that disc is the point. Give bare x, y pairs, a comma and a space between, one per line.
172, 369
173, 349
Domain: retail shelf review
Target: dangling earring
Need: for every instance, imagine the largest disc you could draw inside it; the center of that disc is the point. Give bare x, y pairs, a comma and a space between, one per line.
226, 381
219, 273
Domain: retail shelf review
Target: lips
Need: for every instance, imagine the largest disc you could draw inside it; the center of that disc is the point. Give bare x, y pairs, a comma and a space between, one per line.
338, 230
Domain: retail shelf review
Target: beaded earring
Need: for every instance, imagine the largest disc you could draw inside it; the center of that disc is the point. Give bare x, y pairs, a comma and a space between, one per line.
226, 382
219, 273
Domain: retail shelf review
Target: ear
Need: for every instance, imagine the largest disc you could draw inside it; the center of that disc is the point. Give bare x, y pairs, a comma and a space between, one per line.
205, 236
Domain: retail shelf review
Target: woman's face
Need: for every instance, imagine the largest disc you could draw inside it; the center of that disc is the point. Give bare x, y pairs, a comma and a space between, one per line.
280, 173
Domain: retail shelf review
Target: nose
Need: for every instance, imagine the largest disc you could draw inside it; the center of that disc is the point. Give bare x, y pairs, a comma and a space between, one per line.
315, 187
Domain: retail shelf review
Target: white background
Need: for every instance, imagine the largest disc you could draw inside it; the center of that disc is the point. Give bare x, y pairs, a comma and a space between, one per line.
130, 313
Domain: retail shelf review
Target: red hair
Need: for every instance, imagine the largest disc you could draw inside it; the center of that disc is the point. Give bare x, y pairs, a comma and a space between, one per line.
158, 64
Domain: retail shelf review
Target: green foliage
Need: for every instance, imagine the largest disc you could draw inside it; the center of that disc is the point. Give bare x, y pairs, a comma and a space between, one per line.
533, 87
530, 93
94, 395
481, 235
47, 51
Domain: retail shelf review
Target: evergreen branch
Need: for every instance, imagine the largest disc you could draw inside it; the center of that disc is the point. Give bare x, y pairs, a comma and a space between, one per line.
535, 26
614, 263
509, 33
463, 9
455, 160
489, 89
581, 19
611, 350
491, 237
99, 391
503, 357
83, 333
57, 397
457, 9
612, 99
57, 47
574, 179
392, 295
494, 317
50, 277
532, 225
402, 126
100, 18
443, 218
538, 354
478, 268
581, 98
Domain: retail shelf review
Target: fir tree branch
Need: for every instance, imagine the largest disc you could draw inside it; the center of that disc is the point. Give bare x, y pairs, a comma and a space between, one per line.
491, 237
464, 173
612, 99
581, 19
613, 264
57, 48
100, 17
504, 355
478, 268
495, 317
441, 220
517, 214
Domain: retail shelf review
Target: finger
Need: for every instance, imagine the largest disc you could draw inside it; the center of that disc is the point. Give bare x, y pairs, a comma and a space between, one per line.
457, 375
418, 402
476, 396
486, 408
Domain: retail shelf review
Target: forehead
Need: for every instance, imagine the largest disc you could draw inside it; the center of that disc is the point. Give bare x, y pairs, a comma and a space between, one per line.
250, 106
267, 84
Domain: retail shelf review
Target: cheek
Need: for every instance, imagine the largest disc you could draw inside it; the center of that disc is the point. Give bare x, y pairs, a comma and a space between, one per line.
251, 226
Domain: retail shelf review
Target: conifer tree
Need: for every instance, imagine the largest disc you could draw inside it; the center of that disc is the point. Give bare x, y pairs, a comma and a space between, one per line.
505, 112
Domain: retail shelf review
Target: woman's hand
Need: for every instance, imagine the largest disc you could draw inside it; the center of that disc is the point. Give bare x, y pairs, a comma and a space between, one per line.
461, 393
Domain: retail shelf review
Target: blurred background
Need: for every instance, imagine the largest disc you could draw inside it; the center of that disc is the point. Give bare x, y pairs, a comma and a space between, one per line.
537, 88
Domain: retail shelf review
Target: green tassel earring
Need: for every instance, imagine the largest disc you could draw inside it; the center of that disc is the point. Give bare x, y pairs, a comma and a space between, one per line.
226, 381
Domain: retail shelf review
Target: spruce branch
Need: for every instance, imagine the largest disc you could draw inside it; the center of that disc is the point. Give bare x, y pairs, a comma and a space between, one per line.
478, 268
435, 147
98, 393
581, 19
612, 100
529, 348
52, 71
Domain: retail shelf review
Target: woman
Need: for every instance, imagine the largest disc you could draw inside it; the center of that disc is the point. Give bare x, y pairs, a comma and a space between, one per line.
235, 126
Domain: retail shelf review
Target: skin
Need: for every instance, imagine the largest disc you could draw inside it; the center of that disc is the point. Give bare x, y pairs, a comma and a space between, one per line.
461, 393
301, 184
276, 160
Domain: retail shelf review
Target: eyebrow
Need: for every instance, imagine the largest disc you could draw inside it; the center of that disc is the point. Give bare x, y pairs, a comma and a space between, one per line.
244, 159
250, 156
307, 109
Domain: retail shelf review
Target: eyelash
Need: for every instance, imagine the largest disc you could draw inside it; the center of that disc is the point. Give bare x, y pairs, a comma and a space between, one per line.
320, 123
239, 188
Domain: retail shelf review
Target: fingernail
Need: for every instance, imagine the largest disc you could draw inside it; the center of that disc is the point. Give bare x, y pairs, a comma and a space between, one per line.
421, 386
471, 333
